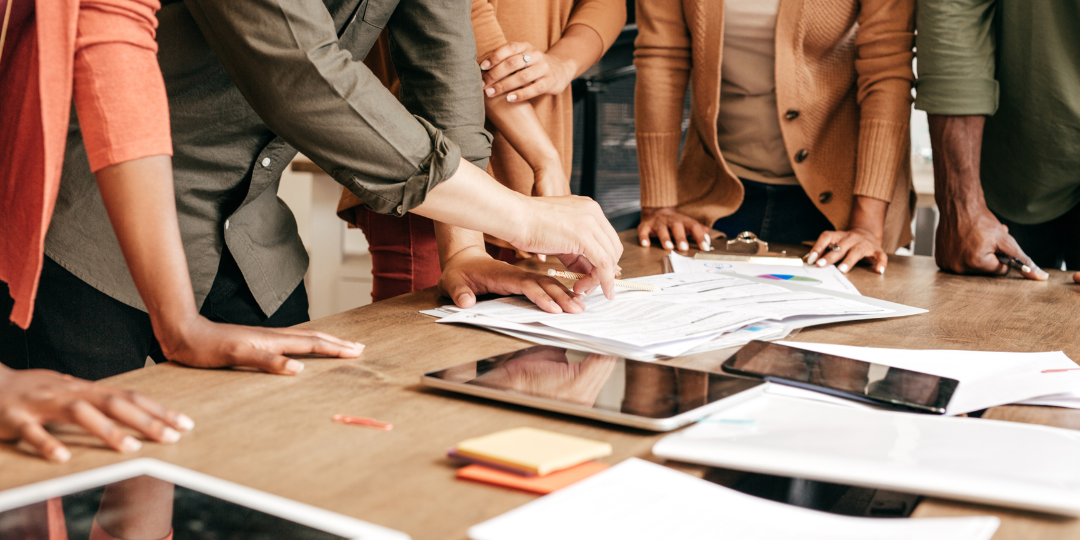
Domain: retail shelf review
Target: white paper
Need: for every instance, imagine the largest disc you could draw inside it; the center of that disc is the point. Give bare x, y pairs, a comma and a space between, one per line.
987, 379
827, 278
638, 500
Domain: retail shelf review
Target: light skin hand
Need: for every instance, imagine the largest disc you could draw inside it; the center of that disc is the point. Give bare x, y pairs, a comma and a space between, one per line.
969, 237
860, 242
32, 398
569, 226
671, 228
139, 198
468, 271
550, 73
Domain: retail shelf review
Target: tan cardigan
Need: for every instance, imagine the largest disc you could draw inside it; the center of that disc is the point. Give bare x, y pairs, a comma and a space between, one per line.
843, 89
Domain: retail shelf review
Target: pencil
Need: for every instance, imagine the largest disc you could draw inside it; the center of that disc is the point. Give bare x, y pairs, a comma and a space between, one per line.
618, 282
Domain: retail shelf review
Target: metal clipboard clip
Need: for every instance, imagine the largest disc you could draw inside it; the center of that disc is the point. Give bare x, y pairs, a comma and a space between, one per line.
747, 247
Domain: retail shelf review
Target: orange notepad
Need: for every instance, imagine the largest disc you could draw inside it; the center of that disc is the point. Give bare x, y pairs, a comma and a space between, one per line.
534, 484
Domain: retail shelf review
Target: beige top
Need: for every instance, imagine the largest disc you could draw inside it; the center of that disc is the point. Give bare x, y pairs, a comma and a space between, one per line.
748, 126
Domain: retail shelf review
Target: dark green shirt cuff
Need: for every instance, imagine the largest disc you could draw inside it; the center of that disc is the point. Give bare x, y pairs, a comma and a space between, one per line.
956, 96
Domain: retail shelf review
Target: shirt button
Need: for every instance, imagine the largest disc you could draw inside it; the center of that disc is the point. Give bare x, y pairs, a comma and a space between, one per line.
226, 224
399, 209
825, 197
266, 162
792, 114
801, 155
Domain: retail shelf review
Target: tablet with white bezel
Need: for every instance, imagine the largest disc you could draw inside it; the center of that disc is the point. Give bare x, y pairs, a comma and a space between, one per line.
149, 495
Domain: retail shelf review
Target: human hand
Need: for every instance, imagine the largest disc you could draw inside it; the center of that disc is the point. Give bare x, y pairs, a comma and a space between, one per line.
850, 246
472, 272
507, 72
575, 229
544, 371
969, 238
204, 344
32, 398
670, 227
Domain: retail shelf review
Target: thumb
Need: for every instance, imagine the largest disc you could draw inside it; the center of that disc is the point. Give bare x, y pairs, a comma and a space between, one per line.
1030, 270
456, 287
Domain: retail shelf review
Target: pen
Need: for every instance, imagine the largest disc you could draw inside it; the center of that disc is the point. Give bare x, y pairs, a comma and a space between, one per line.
1013, 262
618, 282
361, 421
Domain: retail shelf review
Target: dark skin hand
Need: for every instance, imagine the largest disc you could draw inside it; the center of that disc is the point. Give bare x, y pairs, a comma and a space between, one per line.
969, 236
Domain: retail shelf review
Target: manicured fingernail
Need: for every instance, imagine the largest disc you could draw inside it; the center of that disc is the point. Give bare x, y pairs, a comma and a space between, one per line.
556, 307
881, 269
644, 243
464, 298
130, 444
511, 97
60, 455
822, 262
543, 258
669, 245
490, 92
1026, 269
812, 258
843, 268
683, 246
485, 64
294, 366
185, 422
170, 435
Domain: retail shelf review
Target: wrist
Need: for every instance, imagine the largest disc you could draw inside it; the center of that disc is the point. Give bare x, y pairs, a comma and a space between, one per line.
172, 330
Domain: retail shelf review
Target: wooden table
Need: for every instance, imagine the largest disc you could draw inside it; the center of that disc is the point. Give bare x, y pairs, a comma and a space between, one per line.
274, 433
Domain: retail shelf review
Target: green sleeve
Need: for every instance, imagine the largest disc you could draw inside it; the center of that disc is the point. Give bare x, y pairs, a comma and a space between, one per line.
955, 46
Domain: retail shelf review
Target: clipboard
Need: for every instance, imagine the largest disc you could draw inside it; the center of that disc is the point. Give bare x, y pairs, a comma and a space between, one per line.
747, 247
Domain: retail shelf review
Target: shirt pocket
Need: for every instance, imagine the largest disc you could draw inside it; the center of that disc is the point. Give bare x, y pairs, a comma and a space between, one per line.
378, 12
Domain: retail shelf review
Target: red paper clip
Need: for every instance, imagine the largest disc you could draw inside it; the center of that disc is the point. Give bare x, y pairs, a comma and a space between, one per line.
360, 421
1060, 370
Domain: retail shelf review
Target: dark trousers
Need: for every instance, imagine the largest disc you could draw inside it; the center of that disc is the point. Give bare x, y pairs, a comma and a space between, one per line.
83, 332
775, 213
1052, 243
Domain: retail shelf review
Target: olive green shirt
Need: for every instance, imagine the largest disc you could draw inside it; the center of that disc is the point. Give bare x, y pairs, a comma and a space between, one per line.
1018, 62
251, 81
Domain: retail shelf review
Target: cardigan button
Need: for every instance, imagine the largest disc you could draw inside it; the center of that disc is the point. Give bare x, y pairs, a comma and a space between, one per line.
792, 114
825, 197
801, 155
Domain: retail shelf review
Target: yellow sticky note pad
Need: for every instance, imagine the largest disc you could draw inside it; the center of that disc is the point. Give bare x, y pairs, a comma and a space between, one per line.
534, 451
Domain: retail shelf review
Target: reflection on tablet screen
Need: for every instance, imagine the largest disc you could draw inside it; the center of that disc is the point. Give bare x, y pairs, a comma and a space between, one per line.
598, 381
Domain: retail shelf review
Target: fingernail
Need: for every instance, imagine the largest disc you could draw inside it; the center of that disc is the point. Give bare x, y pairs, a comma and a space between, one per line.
464, 298
485, 64
842, 268
294, 366
669, 245
813, 257
881, 269
60, 455
170, 435
556, 307
130, 444
543, 258
644, 243
511, 97
1026, 269
821, 262
490, 92
683, 246
185, 422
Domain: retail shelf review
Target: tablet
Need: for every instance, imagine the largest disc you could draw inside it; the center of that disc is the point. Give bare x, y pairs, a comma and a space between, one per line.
645, 395
146, 495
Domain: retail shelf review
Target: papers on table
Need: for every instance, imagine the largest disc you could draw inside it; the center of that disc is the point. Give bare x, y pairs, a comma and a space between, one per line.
692, 312
986, 461
825, 278
987, 379
640, 500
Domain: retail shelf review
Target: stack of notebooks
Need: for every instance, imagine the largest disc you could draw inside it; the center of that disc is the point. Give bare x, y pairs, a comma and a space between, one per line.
692, 312
529, 459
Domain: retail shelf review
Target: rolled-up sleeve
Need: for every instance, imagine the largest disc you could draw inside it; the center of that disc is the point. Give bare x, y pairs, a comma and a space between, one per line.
286, 60
119, 93
956, 45
434, 52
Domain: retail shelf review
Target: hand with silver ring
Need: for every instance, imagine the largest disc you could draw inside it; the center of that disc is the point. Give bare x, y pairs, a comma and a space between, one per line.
521, 72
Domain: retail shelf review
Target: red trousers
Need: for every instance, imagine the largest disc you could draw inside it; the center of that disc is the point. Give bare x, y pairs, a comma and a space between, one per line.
404, 255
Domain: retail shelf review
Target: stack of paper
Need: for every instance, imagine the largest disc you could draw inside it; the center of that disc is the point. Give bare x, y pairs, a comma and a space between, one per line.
640, 500
827, 277
530, 451
692, 312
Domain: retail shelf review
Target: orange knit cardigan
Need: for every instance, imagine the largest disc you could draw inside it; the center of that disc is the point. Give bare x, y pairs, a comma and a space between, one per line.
103, 52
843, 89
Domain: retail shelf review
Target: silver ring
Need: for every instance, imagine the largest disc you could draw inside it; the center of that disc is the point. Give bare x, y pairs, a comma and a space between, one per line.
526, 58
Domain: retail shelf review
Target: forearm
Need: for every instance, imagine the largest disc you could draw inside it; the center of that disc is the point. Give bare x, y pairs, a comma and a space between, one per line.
579, 48
473, 200
140, 201
957, 145
518, 122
